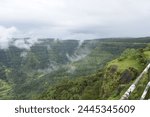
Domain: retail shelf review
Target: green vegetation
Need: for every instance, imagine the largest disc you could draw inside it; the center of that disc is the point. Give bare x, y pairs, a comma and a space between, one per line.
67, 69
5, 90
108, 83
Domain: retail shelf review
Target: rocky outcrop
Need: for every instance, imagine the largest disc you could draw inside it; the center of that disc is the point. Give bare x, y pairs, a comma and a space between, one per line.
128, 75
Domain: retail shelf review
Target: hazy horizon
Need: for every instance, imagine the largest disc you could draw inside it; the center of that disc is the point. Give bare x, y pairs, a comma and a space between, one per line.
73, 19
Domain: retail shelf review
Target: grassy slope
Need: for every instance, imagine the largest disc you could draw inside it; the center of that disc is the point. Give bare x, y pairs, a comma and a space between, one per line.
104, 84
130, 62
5, 90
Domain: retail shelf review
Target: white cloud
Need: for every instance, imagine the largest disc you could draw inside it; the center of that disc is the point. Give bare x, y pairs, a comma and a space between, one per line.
5, 36
6, 39
25, 43
77, 18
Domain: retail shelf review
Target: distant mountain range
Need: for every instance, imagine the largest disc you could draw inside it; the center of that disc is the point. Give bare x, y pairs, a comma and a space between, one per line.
71, 69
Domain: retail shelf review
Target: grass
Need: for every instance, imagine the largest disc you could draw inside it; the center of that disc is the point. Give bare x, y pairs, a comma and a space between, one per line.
125, 64
5, 89
137, 93
147, 54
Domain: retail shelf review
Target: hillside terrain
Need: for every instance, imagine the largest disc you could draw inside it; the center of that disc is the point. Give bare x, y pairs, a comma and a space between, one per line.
108, 83
73, 69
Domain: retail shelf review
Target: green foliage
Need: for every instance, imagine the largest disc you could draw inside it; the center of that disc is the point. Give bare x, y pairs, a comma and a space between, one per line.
80, 88
3, 73
31, 61
140, 88
46, 72
109, 83
5, 90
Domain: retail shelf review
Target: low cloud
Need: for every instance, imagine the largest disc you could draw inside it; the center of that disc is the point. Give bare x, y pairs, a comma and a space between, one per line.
71, 68
6, 35
79, 54
7, 38
25, 43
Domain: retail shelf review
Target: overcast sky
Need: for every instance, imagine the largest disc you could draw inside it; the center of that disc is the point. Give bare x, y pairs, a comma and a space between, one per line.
77, 19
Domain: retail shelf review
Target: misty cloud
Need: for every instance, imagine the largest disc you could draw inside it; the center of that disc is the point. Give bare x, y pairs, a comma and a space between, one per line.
79, 54
23, 54
71, 68
76, 57
6, 39
25, 43
6, 35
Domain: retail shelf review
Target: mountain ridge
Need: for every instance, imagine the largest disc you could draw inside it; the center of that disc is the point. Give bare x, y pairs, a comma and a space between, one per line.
48, 62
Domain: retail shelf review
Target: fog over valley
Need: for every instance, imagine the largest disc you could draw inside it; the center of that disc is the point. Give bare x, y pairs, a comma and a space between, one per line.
73, 49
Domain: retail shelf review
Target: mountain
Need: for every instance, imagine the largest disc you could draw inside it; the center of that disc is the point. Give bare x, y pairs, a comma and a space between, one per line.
71, 69
111, 82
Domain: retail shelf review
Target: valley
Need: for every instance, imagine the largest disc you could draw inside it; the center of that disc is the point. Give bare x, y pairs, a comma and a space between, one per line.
72, 69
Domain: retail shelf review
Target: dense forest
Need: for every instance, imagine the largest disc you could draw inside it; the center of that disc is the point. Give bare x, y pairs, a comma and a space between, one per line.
73, 69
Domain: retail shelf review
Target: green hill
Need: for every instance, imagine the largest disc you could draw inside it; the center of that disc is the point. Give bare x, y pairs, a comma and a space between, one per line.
72, 69
108, 83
